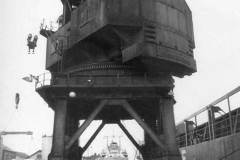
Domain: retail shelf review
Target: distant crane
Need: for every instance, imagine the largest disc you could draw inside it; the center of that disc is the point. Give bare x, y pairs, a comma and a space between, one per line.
3, 133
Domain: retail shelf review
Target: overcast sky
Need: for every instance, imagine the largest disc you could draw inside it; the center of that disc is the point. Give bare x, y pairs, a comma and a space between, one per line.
217, 33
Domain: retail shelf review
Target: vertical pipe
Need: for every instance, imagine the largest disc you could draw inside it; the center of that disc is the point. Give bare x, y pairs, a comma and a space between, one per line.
230, 115
57, 152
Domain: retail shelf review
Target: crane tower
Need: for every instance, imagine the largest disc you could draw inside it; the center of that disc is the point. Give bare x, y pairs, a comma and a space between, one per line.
114, 60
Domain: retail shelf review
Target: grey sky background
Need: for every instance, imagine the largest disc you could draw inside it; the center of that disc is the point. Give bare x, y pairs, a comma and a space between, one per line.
217, 33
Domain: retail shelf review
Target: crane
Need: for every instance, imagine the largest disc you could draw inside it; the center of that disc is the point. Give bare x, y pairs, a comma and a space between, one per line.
3, 133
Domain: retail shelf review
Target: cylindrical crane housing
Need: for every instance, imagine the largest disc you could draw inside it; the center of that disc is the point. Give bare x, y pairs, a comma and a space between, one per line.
156, 33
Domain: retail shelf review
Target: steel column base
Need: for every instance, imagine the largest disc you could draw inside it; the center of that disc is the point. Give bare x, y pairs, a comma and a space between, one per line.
169, 157
74, 154
55, 157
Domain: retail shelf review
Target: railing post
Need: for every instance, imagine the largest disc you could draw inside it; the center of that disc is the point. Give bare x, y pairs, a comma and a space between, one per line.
236, 122
186, 133
195, 118
205, 132
210, 123
196, 130
230, 115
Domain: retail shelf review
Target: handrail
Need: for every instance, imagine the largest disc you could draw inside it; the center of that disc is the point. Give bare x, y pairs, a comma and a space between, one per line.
221, 126
45, 79
226, 96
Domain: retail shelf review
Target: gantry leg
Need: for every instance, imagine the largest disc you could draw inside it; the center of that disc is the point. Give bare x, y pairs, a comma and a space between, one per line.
72, 122
60, 108
169, 129
151, 150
